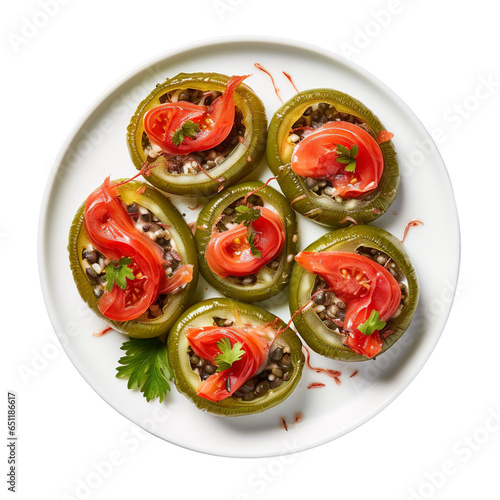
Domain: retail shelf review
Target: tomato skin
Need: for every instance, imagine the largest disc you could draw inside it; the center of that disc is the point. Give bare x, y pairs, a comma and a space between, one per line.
182, 275
225, 257
215, 121
363, 285
315, 156
255, 341
112, 233
366, 345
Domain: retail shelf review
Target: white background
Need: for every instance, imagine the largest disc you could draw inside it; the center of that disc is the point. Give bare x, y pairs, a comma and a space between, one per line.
439, 439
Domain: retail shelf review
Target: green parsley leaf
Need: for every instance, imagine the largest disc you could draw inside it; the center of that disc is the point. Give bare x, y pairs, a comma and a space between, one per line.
146, 367
246, 215
178, 137
343, 159
347, 157
342, 150
350, 167
372, 324
228, 355
251, 241
188, 129
118, 272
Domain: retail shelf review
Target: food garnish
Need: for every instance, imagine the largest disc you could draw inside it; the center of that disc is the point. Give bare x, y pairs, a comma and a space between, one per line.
251, 241
246, 215
372, 324
228, 354
347, 156
118, 272
188, 129
146, 367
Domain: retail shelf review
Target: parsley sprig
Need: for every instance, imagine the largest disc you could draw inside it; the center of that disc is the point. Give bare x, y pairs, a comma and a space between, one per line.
372, 324
189, 129
247, 215
118, 272
347, 157
251, 241
146, 367
228, 354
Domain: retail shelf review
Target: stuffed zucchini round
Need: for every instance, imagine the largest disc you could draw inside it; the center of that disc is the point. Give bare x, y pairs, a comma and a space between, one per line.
267, 358
133, 258
197, 133
247, 238
356, 290
333, 158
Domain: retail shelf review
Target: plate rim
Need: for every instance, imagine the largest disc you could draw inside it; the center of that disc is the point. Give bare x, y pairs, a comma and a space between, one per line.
211, 43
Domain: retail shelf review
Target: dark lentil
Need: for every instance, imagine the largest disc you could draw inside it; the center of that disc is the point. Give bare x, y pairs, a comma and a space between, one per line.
286, 360
277, 354
91, 272
262, 388
91, 256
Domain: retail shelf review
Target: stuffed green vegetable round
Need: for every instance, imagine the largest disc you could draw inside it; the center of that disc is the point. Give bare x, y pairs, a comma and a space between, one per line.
247, 239
356, 292
133, 258
231, 358
334, 160
198, 132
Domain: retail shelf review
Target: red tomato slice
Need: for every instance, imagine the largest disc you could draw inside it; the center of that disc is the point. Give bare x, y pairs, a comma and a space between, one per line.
255, 341
215, 121
181, 276
112, 233
363, 285
315, 156
384, 136
366, 345
228, 253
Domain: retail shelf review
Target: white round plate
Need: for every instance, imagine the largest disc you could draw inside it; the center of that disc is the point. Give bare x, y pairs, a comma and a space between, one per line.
97, 148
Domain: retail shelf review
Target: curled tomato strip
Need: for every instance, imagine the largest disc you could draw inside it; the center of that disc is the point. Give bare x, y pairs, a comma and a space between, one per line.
215, 121
255, 341
363, 285
315, 156
384, 136
112, 233
181, 276
228, 253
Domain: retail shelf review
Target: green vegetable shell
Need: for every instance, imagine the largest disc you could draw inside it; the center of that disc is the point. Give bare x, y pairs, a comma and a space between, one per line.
269, 282
160, 206
244, 158
187, 381
311, 328
325, 210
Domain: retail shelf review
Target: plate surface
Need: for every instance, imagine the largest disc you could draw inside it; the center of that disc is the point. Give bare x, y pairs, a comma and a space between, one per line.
97, 148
